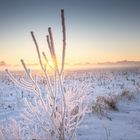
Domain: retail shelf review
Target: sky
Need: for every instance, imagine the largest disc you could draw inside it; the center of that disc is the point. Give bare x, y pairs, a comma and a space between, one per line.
97, 30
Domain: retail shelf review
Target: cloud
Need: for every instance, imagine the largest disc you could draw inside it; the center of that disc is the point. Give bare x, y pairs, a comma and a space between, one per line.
123, 62
32, 64
2, 63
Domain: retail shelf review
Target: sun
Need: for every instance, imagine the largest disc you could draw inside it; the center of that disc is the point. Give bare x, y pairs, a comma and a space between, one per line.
50, 65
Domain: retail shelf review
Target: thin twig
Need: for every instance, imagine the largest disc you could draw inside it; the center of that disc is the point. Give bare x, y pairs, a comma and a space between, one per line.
64, 39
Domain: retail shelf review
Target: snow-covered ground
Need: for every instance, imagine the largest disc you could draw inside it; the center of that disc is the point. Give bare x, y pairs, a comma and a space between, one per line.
124, 123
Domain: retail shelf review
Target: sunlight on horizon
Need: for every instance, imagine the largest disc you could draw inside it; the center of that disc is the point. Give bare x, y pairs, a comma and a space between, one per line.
97, 32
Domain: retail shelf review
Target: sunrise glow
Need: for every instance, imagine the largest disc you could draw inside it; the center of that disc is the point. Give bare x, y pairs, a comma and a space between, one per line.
95, 33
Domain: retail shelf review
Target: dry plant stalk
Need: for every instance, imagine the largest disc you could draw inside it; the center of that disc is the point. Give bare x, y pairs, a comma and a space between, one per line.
63, 108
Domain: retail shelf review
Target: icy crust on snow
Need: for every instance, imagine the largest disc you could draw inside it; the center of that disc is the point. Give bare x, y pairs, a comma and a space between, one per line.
124, 123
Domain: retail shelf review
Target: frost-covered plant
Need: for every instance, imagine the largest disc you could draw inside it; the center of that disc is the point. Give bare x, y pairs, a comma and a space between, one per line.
10, 132
57, 108
103, 104
126, 94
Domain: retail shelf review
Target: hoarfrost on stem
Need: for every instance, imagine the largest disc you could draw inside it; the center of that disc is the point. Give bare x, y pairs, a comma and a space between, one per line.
59, 111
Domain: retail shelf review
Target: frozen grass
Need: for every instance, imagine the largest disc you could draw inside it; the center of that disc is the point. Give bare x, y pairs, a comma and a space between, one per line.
125, 121
56, 112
